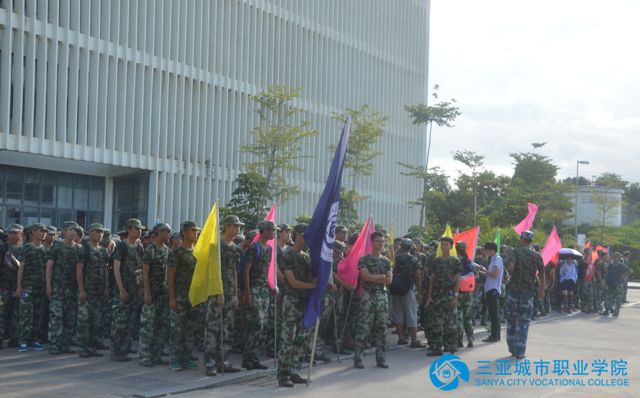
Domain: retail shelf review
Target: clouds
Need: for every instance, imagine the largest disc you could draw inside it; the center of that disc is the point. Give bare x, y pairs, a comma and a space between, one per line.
566, 72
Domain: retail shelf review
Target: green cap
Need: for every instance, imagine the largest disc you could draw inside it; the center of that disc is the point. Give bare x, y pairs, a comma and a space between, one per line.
96, 225
161, 227
284, 227
51, 229
340, 228
38, 226
339, 246
16, 228
300, 228
134, 223
265, 224
189, 225
232, 220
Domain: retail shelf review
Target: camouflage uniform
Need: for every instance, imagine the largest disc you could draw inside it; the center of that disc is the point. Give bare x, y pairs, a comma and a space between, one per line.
32, 297
153, 328
64, 296
444, 322
600, 283
90, 314
219, 323
123, 315
294, 339
521, 290
480, 307
184, 318
373, 314
466, 307
9, 304
614, 293
254, 317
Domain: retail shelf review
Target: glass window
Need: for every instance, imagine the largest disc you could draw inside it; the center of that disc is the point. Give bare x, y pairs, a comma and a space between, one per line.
48, 197
14, 185
31, 187
65, 191
81, 218
81, 192
2, 173
30, 216
96, 216
96, 195
2, 217
14, 215
48, 217
65, 215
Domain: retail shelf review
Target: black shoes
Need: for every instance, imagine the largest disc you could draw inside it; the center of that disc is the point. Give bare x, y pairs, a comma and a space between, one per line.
297, 379
382, 365
358, 365
490, 340
285, 383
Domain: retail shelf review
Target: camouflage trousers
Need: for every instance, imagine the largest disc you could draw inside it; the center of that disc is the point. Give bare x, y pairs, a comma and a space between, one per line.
218, 333
466, 304
269, 331
294, 339
62, 318
426, 319
254, 320
326, 326
613, 298
153, 328
371, 324
443, 325
9, 315
123, 321
90, 322
183, 321
588, 297
32, 307
518, 315
480, 306
624, 282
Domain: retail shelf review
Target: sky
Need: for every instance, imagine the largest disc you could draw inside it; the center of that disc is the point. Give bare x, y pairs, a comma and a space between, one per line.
562, 71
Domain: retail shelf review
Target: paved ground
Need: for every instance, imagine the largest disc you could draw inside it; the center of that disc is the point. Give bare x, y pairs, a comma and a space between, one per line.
579, 336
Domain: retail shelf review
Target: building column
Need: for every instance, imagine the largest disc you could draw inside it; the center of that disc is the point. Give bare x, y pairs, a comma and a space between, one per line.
152, 199
108, 204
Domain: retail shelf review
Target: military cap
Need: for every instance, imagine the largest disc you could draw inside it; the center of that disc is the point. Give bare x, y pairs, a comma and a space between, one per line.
352, 239
79, 230
97, 226
250, 234
145, 235
189, 225
627, 253
418, 242
122, 232
284, 227
340, 228
300, 228
527, 236
433, 243
232, 220
461, 245
16, 228
266, 224
161, 227
38, 226
536, 246
52, 230
69, 224
134, 223
407, 244
339, 246
616, 254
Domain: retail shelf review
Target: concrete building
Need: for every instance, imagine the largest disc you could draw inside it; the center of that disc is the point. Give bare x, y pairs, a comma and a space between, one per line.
595, 204
113, 109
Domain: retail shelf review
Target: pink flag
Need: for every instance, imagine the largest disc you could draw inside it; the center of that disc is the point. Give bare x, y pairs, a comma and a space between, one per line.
527, 223
551, 248
271, 278
348, 266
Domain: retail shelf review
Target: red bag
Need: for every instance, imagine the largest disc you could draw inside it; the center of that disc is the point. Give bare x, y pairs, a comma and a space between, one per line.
468, 283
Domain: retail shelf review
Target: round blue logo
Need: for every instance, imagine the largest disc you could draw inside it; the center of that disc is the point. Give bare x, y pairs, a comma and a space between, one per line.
446, 372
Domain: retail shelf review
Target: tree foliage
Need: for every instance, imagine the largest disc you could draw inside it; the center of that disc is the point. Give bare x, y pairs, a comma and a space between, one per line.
248, 199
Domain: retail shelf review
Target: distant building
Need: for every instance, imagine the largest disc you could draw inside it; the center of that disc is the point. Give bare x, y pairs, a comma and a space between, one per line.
596, 203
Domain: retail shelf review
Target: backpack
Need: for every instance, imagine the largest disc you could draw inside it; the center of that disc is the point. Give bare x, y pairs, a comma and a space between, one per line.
240, 267
468, 283
613, 277
401, 283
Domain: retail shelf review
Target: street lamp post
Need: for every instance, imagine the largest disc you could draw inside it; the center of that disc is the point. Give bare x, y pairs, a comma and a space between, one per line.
578, 163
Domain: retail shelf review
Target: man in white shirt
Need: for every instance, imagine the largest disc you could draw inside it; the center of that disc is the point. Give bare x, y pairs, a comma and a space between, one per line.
492, 288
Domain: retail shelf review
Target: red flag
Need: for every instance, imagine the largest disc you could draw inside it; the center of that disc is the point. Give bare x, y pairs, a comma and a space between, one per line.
591, 266
470, 237
527, 223
271, 278
551, 248
348, 266
600, 247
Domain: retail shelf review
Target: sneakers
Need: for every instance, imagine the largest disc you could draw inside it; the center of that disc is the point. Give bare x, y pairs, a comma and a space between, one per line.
285, 383
382, 365
118, 357
94, 353
358, 365
146, 364
36, 346
84, 354
189, 365
297, 379
324, 358
175, 366
402, 341
23, 348
227, 368
210, 371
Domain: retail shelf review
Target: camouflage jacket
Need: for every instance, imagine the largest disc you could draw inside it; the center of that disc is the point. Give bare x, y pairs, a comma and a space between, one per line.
376, 266
260, 267
34, 262
94, 272
184, 262
443, 273
229, 257
130, 257
65, 258
157, 259
526, 263
9, 275
300, 264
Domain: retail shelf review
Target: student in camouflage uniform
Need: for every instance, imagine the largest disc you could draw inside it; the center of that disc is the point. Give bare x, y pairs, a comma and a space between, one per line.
480, 309
600, 283
91, 274
127, 259
588, 294
466, 300
152, 324
183, 316
220, 318
10, 259
275, 300
442, 296
617, 273
62, 291
373, 314
299, 282
31, 289
254, 299
625, 280
523, 264
340, 294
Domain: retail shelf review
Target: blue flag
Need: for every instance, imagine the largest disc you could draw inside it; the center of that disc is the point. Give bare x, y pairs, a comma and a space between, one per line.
319, 235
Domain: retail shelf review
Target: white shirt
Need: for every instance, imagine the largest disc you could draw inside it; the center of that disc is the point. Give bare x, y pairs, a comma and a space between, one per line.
569, 271
494, 282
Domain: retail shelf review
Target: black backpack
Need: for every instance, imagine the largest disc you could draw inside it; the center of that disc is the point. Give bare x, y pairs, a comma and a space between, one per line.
401, 282
613, 277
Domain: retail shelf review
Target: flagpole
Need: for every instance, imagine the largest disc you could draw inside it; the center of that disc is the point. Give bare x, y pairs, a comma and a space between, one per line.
221, 308
313, 350
346, 315
275, 304
335, 326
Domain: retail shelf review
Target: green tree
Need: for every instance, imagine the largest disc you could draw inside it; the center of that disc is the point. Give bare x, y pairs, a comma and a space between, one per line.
367, 126
474, 162
277, 140
611, 180
442, 114
248, 199
433, 202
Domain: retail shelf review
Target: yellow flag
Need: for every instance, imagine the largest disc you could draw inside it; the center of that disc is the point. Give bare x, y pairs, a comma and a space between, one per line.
447, 232
207, 277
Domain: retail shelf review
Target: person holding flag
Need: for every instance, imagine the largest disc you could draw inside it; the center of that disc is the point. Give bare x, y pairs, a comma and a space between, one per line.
219, 321
254, 299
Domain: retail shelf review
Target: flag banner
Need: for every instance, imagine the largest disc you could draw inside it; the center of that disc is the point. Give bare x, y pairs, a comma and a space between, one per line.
470, 237
207, 277
527, 222
447, 233
320, 232
272, 279
551, 248
348, 266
